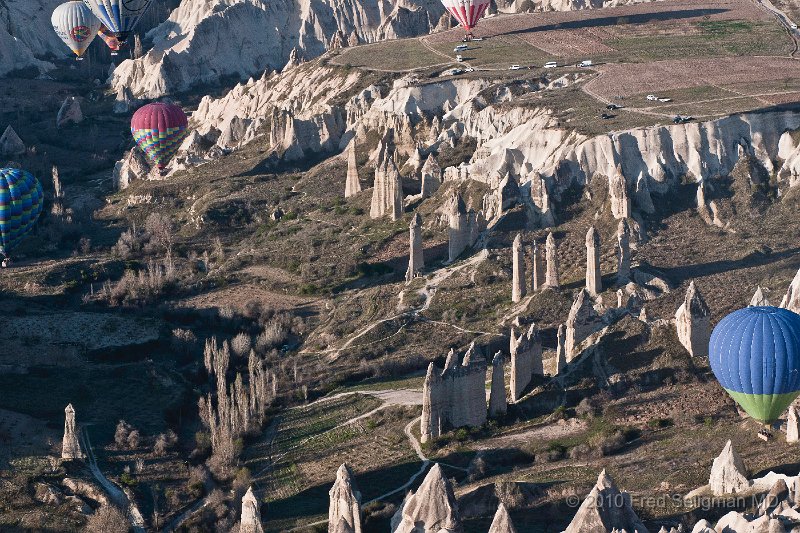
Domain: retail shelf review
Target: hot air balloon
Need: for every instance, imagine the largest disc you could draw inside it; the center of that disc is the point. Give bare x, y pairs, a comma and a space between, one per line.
112, 42
755, 355
21, 201
467, 12
119, 16
76, 26
159, 129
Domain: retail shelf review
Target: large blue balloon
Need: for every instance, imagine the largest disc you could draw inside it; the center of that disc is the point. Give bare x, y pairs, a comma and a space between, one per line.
755, 355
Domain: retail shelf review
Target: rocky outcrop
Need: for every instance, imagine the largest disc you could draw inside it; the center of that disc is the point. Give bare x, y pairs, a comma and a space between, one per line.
27, 33
594, 280
431, 509
260, 35
498, 405
582, 321
693, 323
734, 522
792, 299
606, 509
759, 298
70, 447
387, 193
551, 253
728, 475
69, 113
454, 397
352, 184
792, 425
502, 521
416, 260
561, 354
458, 231
10, 143
431, 177
644, 201
623, 253
519, 281
251, 514
344, 511
540, 196
526, 360
537, 275
618, 191
133, 166
125, 102
507, 194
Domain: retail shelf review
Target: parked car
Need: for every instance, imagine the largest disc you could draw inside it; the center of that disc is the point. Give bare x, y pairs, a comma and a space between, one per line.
550, 64
612, 107
461, 48
652, 97
459, 58
665, 100
514, 67
678, 119
585, 63
469, 69
606, 116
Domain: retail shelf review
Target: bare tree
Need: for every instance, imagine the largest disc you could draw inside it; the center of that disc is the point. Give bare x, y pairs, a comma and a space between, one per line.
107, 519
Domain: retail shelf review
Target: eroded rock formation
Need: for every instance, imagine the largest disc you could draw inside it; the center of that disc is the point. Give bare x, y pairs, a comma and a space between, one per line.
502, 521
582, 321
594, 281
416, 260
606, 508
70, 447
459, 234
618, 191
431, 509
561, 355
519, 282
551, 252
537, 276
792, 425
69, 113
344, 511
526, 360
728, 475
251, 514
387, 194
693, 323
541, 201
431, 176
10, 143
454, 398
759, 298
498, 404
792, 299
352, 184
623, 252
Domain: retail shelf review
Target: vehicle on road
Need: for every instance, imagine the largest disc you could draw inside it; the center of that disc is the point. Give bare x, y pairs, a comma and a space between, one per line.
550, 64
652, 97
793, 26
461, 48
514, 67
469, 69
612, 107
585, 63
459, 58
679, 119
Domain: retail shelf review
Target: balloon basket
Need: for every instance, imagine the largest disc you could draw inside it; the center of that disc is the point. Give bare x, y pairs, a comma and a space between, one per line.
78, 59
114, 54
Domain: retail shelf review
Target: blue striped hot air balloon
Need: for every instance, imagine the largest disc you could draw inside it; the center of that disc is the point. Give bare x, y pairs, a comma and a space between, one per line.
119, 16
21, 201
755, 355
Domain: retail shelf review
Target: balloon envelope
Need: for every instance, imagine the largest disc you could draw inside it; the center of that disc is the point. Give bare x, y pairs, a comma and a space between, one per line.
755, 355
111, 41
119, 16
467, 12
159, 129
21, 201
75, 25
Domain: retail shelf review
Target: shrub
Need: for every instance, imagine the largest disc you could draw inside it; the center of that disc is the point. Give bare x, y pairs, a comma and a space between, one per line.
107, 519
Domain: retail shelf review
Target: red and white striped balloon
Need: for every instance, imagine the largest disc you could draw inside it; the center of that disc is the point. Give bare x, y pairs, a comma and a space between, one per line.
467, 12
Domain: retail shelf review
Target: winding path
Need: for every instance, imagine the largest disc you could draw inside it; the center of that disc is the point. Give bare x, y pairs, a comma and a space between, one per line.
116, 494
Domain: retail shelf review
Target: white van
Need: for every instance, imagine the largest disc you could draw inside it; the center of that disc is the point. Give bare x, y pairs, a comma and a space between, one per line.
459, 58
550, 64
461, 48
585, 63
